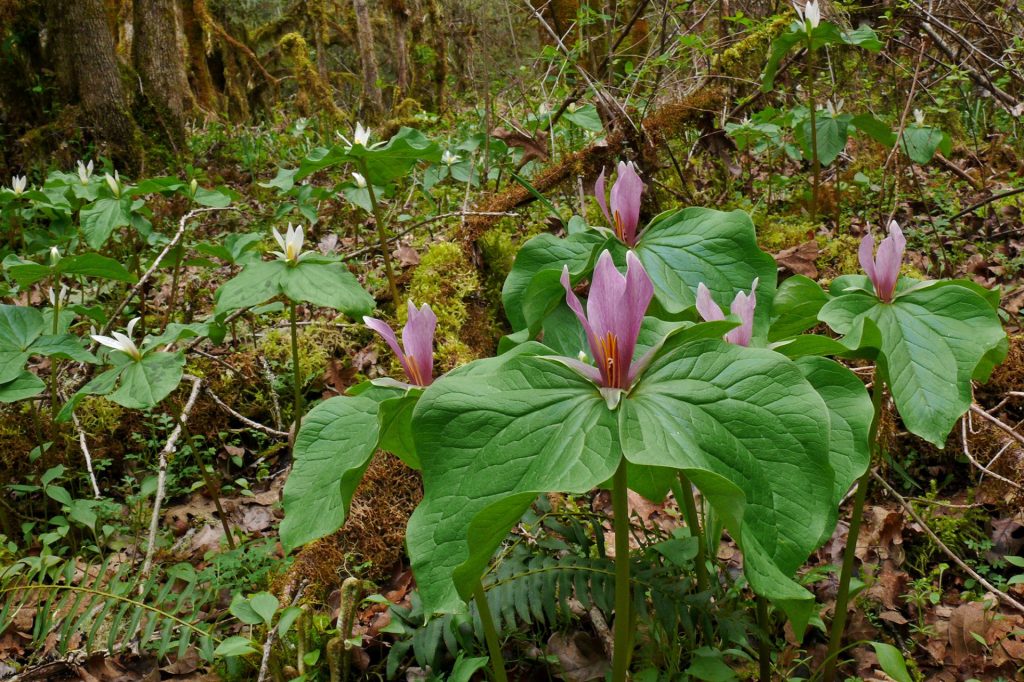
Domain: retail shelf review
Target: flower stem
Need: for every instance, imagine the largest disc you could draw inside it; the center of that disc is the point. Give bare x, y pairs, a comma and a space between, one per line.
620, 507
297, 378
378, 218
54, 362
815, 163
490, 634
764, 650
843, 595
683, 490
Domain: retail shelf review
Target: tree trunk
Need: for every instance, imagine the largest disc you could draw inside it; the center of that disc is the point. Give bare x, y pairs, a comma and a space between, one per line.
88, 71
400, 16
438, 29
207, 96
156, 51
364, 36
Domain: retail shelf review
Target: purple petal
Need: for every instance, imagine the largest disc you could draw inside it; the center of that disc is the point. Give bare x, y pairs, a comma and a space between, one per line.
418, 339
888, 261
866, 254
625, 201
743, 307
638, 295
589, 371
600, 194
388, 334
706, 306
574, 304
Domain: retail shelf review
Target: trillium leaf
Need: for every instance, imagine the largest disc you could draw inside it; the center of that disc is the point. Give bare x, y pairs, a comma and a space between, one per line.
100, 219
681, 249
545, 252
144, 383
66, 346
795, 308
255, 284
20, 326
396, 435
95, 265
101, 384
921, 144
24, 385
932, 341
850, 413
330, 285
332, 450
490, 439
748, 430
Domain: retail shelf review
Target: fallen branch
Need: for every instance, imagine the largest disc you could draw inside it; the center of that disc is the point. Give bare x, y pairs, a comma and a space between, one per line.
271, 635
1007, 599
85, 453
979, 465
242, 418
998, 422
161, 481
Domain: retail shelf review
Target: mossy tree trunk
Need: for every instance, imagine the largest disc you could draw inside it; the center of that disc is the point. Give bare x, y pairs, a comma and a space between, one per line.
400, 18
207, 96
364, 38
158, 58
88, 73
436, 17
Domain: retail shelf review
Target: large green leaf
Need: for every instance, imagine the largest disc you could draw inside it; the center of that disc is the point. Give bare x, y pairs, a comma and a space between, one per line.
743, 423
490, 441
832, 134
545, 252
100, 218
66, 346
332, 450
932, 340
145, 382
921, 143
20, 326
95, 265
795, 308
680, 249
25, 385
749, 431
316, 281
383, 164
850, 413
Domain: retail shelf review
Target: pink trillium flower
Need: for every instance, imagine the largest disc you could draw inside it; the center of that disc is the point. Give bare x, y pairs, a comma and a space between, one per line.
417, 350
625, 201
884, 268
742, 307
615, 310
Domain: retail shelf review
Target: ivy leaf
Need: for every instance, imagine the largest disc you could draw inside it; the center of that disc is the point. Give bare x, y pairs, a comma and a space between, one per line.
680, 249
332, 450
932, 340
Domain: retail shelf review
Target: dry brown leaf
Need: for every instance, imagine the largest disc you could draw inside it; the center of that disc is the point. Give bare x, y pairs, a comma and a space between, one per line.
407, 256
966, 619
580, 656
800, 259
533, 147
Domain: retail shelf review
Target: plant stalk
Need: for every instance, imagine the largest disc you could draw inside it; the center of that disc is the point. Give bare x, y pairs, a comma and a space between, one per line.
683, 490
378, 218
843, 595
54, 362
622, 634
297, 378
490, 634
764, 649
815, 163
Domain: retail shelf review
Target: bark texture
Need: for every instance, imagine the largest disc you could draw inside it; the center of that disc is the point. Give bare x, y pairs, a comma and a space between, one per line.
156, 51
364, 36
88, 71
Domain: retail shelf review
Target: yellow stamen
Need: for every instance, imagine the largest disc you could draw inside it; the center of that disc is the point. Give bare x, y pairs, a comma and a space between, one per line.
618, 226
414, 370
609, 349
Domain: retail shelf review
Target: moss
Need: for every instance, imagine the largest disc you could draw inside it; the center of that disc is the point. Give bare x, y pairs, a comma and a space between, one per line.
755, 46
444, 279
778, 232
318, 343
98, 416
838, 255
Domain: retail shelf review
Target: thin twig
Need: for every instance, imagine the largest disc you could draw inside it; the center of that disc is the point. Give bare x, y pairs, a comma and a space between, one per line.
432, 219
242, 418
161, 481
957, 560
85, 453
998, 422
269, 643
982, 467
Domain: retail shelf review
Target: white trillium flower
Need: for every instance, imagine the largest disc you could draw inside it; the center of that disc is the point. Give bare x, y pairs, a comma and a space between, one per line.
121, 342
450, 159
362, 135
114, 183
360, 180
54, 254
85, 172
291, 244
918, 117
57, 300
834, 108
809, 14
19, 183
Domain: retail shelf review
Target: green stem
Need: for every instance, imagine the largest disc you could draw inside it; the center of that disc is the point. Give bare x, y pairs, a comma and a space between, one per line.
297, 379
683, 490
764, 650
622, 634
378, 218
490, 634
54, 362
815, 163
843, 595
